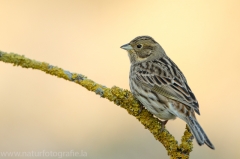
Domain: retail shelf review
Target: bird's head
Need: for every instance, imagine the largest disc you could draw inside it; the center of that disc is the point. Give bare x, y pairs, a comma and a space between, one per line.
143, 48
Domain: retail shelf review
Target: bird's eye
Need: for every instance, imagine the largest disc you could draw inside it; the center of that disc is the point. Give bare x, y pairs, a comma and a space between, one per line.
139, 46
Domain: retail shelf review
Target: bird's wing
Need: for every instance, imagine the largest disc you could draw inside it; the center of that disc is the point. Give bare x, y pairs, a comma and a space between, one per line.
165, 78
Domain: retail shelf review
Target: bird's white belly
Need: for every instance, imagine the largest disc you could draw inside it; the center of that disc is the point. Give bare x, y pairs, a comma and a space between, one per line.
151, 102
156, 108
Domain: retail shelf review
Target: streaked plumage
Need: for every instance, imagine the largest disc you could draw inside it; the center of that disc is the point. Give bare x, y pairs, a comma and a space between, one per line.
157, 82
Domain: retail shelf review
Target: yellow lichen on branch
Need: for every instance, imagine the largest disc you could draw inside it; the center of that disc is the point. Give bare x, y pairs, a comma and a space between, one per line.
121, 97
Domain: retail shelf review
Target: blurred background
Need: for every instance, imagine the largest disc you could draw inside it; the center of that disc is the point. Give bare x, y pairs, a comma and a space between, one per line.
40, 112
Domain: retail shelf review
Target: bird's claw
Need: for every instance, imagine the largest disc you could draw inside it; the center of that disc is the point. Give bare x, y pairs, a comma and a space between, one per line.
140, 109
163, 123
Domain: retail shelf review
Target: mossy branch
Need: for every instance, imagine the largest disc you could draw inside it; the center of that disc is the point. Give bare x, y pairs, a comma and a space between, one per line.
121, 97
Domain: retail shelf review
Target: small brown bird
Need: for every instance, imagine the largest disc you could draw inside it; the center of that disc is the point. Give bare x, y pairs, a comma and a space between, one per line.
157, 82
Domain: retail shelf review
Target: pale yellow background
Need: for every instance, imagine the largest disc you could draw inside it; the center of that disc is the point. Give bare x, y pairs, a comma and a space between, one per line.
41, 112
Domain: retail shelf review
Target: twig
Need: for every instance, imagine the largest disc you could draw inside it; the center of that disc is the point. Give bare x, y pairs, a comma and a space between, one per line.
119, 96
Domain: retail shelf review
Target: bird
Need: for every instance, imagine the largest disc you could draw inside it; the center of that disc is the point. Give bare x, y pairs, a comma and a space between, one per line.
157, 82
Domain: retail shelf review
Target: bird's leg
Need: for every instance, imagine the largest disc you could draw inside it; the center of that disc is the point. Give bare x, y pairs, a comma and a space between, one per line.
140, 109
163, 123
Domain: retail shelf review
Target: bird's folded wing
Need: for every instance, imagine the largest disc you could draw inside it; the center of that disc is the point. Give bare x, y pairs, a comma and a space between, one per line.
169, 82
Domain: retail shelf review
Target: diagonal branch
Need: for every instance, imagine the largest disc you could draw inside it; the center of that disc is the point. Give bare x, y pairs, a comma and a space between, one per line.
119, 96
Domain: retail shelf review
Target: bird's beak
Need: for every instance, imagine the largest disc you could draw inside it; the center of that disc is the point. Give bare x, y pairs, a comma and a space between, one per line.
126, 47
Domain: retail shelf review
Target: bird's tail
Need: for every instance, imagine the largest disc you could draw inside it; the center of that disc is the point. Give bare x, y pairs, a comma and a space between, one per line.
198, 132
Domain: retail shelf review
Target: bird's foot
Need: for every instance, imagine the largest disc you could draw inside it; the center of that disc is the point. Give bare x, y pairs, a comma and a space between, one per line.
140, 109
163, 123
